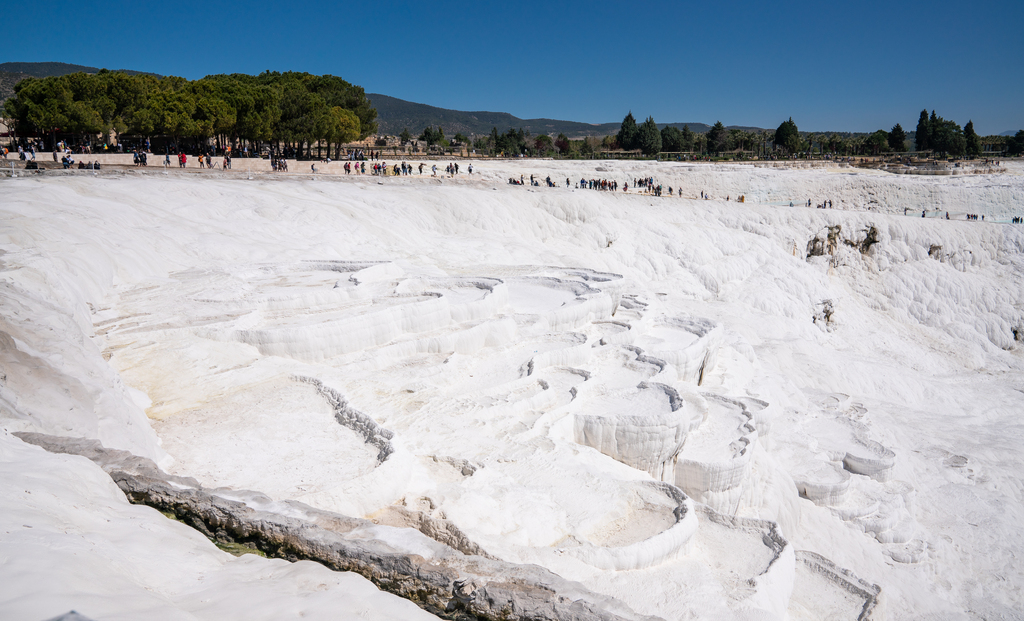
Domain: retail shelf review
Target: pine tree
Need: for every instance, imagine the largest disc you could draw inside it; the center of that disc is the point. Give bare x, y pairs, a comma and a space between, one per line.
924, 133
1015, 143
973, 142
649, 138
934, 126
671, 139
628, 133
897, 139
787, 136
717, 137
688, 138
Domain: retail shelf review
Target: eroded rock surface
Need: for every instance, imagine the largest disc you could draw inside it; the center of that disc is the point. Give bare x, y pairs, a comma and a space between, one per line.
438, 578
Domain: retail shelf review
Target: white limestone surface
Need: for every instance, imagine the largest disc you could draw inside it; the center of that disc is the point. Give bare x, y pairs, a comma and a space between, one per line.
474, 322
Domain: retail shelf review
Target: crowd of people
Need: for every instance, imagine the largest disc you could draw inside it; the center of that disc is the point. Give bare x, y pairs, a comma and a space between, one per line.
139, 158
603, 185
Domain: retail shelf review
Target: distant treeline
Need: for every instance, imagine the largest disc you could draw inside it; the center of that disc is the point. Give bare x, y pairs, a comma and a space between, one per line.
934, 134
939, 135
297, 109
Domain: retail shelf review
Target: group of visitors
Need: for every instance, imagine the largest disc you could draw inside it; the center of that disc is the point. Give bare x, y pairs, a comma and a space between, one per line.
825, 204
139, 158
972, 216
25, 154
1018, 220
278, 164
598, 184
644, 183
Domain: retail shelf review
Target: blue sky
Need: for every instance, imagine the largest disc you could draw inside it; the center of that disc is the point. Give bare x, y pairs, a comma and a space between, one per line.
849, 66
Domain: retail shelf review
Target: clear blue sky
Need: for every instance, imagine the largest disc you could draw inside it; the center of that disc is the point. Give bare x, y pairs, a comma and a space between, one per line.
844, 66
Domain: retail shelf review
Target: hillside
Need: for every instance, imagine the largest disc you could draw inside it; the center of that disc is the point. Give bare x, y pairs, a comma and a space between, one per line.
394, 115
7, 82
45, 70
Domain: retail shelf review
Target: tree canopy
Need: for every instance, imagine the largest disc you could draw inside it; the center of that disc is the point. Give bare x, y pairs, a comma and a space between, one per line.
787, 136
672, 140
877, 142
717, 137
1015, 143
924, 132
629, 133
972, 142
897, 139
293, 107
648, 137
432, 136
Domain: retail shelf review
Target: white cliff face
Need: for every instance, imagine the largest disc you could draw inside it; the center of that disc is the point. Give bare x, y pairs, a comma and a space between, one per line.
646, 395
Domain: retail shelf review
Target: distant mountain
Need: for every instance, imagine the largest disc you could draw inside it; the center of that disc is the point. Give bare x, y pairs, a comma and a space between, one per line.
394, 115
46, 70
1012, 132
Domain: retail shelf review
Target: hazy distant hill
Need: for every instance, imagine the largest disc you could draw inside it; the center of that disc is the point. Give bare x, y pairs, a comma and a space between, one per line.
394, 115
7, 82
45, 70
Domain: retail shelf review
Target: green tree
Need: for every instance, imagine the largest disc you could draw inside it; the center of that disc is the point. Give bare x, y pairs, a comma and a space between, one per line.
563, 144
544, 143
512, 143
405, 136
432, 136
337, 92
877, 142
672, 140
305, 116
343, 128
649, 138
688, 138
897, 139
628, 133
922, 138
717, 137
972, 142
1015, 143
946, 136
787, 136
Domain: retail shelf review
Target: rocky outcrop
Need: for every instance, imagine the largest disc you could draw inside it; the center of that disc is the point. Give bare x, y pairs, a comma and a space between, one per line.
347, 416
439, 579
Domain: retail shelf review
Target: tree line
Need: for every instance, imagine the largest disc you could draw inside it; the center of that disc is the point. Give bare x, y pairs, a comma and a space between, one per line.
942, 137
297, 110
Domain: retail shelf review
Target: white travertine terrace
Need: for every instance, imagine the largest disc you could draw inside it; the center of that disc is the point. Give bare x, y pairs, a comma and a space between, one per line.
571, 389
